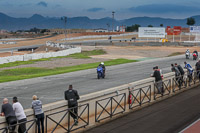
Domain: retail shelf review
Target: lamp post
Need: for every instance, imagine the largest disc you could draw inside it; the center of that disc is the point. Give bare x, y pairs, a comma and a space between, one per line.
65, 21
113, 13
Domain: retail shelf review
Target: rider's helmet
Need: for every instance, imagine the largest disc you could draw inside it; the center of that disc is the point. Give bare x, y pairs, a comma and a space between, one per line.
102, 63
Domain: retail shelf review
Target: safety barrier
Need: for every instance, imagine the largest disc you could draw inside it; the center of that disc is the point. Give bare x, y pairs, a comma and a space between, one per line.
111, 110
139, 96
70, 124
162, 88
6, 129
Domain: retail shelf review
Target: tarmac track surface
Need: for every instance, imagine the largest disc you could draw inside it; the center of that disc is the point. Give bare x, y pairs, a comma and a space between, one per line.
51, 88
168, 116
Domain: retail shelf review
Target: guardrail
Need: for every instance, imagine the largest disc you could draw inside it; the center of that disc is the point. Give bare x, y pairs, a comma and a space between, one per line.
140, 96
70, 127
110, 110
7, 128
162, 88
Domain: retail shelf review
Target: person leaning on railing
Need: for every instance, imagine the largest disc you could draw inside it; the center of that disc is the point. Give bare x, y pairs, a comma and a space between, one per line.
8, 112
197, 67
21, 117
39, 114
158, 80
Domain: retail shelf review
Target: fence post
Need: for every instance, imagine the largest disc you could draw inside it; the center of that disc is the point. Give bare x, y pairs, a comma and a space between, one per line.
111, 107
46, 124
69, 120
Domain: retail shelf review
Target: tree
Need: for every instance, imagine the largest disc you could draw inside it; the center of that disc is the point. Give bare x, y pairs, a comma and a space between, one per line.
132, 28
150, 25
161, 25
190, 21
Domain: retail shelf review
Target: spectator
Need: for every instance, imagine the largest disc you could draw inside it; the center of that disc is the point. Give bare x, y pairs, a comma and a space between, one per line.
189, 71
177, 74
158, 80
72, 96
9, 113
197, 67
160, 72
21, 117
181, 71
39, 114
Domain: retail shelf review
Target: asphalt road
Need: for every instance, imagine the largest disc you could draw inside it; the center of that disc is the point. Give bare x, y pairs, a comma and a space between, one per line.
51, 88
168, 116
16, 48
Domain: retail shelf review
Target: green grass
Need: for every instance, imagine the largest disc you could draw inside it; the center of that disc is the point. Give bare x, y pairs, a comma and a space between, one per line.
175, 54
82, 55
26, 73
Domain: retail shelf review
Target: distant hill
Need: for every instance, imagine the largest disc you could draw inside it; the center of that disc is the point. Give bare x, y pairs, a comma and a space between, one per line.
38, 21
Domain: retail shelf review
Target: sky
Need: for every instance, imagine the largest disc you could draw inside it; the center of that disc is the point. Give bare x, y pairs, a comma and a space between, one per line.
96, 9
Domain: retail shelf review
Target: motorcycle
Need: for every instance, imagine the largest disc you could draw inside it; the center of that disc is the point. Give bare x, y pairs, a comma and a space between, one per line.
100, 73
187, 55
194, 56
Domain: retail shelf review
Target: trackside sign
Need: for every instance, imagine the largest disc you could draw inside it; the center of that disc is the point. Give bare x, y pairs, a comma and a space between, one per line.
151, 32
195, 29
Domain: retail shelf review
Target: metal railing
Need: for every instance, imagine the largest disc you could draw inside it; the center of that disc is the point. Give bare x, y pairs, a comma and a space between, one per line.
110, 110
140, 96
7, 128
178, 83
162, 88
69, 127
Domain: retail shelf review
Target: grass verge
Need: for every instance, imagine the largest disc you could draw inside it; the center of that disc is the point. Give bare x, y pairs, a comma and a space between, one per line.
82, 55
175, 54
26, 73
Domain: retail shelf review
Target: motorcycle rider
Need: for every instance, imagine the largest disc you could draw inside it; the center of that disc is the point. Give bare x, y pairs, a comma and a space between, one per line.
103, 66
196, 52
187, 53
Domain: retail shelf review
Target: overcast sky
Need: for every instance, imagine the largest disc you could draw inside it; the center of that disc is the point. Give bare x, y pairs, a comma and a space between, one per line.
101, 8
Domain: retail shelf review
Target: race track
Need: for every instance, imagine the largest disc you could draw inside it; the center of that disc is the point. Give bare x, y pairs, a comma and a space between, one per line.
51, 88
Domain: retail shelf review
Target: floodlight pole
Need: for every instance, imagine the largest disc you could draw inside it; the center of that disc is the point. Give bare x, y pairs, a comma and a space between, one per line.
65, 21
113, 13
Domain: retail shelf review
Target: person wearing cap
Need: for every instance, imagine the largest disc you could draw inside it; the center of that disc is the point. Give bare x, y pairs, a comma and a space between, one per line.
72, 97
8, 112
39, 114
21, 117
197, 67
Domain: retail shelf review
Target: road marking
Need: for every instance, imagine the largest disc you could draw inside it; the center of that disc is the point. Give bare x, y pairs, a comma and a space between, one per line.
192, 128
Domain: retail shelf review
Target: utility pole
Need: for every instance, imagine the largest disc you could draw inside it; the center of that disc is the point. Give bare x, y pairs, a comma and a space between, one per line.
65, 21
113, 13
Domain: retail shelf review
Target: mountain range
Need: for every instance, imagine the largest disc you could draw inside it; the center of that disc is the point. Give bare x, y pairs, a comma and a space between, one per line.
39, 21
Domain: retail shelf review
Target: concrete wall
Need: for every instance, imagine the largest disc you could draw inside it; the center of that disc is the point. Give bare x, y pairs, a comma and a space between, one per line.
33, 56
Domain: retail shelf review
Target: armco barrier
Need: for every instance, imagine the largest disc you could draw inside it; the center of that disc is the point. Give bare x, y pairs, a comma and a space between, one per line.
120, 97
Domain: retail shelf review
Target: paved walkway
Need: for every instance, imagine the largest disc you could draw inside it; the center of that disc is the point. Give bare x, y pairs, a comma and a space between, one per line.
168, 116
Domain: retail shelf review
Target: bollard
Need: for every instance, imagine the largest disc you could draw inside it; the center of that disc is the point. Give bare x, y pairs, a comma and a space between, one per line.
32, 50
11, 53
46, 49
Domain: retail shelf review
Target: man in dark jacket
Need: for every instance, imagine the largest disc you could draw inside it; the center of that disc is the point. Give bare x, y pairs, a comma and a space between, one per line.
181, 71
158, 80
72, 96
177, 74
197, 66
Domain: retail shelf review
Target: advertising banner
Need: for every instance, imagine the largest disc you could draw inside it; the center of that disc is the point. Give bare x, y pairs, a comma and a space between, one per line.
195, 29
158, 32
